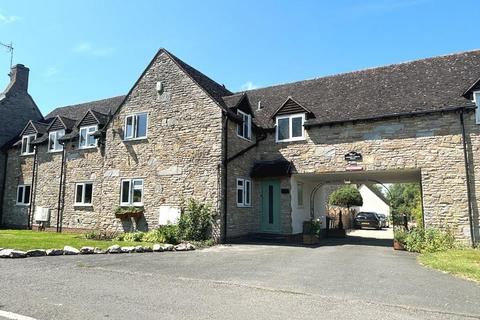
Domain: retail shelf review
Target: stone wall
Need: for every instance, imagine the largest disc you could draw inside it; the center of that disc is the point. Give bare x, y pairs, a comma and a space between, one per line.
431, 144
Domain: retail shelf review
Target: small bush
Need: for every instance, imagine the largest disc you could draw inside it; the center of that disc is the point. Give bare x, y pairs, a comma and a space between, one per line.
195, 220
99, 235
169, 233
429, 240
133, 236
400, 235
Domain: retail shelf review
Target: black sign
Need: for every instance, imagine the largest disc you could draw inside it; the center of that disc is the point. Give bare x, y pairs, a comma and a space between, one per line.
353, 156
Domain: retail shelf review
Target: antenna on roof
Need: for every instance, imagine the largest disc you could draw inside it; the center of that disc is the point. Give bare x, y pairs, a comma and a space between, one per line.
9, 47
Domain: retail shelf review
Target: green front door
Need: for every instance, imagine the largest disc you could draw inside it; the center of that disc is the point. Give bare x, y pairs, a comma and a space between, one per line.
271, 206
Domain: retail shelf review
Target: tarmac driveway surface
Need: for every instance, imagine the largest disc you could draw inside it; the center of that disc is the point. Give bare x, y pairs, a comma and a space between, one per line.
356, 277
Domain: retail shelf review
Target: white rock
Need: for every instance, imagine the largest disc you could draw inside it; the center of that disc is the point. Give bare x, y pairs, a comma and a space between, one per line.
18, 254
36, 253
139, 249
87, 250
190, 246
70, 251
99, 251
5, 253
114, 249
181, 247
167, 247
157, 247
54, 252
127, 249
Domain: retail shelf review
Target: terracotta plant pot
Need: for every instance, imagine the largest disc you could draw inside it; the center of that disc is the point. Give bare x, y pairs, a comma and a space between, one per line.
398, 245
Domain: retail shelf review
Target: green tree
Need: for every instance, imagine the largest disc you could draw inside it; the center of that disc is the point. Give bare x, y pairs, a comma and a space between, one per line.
346, 196
405, 198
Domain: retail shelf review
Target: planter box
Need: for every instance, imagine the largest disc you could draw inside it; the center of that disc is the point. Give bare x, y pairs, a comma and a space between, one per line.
135, 215
310, 239
337, 233
122, 216
398, 245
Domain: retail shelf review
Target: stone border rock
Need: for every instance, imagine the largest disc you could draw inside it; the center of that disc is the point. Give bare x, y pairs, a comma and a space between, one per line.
114, 249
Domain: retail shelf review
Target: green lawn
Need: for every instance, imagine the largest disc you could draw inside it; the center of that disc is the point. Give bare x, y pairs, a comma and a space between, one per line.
27, 239
464, 263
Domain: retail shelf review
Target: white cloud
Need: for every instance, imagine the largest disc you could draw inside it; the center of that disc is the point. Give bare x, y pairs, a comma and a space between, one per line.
50, 72
8, 19
248, 86
89, 49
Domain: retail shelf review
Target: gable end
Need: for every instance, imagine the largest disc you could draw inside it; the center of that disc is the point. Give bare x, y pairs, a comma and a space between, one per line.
290, 106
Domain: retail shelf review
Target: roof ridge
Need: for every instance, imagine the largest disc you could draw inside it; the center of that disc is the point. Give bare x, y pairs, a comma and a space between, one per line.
363, 70
86, 102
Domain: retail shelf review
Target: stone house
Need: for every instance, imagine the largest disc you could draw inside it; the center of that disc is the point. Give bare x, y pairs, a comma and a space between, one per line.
260, 157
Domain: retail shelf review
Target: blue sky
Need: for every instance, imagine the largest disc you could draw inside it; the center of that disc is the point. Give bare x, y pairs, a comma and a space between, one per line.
85, 50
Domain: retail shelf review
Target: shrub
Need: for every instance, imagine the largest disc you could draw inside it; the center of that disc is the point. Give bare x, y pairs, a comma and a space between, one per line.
99, 235
429, 240
400, 235
195, 220
133, 236
346, 196
169, 233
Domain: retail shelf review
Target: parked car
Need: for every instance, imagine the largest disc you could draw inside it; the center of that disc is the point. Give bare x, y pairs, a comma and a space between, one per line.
367, 220
384, 219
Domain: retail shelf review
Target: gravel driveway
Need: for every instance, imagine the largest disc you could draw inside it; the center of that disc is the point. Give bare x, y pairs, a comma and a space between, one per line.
358, 277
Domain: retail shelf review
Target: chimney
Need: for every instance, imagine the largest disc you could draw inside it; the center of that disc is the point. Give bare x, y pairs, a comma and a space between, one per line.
19, 77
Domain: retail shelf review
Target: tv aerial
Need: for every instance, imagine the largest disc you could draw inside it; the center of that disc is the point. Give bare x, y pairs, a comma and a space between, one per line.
9, 47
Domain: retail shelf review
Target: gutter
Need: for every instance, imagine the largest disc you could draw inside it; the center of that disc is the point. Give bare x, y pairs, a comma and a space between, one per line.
467, 176
225, 177
33, 190
60, 187
4, 184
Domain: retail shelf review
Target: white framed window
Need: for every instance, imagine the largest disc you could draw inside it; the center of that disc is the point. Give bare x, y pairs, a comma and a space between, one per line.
27, 146
131, 192
476, 99
136, 126
290, 128
53, 144
244, 130
23, 194
244, 192
87, 140
83, 193
300, 195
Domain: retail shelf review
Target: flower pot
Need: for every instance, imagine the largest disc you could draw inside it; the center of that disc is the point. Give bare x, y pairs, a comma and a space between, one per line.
135, 215
310, 239
397, 245
122, 216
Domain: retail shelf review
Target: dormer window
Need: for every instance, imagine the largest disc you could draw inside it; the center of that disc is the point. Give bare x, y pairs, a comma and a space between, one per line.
87, 140
53, 144
244, 129
290, 128
27, 147
136, 126
476, 99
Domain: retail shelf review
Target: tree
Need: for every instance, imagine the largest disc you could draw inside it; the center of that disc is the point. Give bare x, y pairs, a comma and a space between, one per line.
346, 196
405, 198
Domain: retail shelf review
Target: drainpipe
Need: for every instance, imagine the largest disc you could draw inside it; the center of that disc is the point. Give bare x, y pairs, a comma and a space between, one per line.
60, 187
4, 183
33, 190
467, 176
225, 177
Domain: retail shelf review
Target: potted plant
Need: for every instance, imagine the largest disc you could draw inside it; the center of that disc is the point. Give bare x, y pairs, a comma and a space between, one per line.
399, 239
311, 230
135, 212
121, 213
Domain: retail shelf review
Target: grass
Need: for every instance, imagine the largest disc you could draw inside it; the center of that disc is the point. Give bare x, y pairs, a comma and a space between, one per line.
28, 239
460, 262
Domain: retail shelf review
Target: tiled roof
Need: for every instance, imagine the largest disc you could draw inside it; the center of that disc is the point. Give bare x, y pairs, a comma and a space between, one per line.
432, 84
77, 111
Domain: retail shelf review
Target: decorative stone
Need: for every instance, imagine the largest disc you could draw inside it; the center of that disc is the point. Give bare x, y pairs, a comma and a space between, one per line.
5, 253
147, 249
36, 253
190, 246
114, 249
157, 248
139, 249
70, 251
87, 250
127, 249
181, 247
99, 251
54, 252
167, 247
18, 254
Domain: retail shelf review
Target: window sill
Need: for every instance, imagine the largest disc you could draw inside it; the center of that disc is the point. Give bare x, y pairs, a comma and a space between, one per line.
87, 148
54, 151
26, 154
82, 205
22, 204
135, 139
126, 205
290, 140
244, 206
243, 138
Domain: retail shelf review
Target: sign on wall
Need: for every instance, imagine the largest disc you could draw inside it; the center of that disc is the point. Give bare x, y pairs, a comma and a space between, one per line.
353, 156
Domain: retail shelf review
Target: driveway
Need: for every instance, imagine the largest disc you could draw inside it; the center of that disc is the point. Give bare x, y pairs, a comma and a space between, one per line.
359, 277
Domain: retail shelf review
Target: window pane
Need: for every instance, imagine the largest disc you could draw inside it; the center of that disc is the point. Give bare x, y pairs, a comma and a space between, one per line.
92, 129
83, 137
240, 128
129, 127
239, 182
126, 191
247, 192
297, 128
246, 126
88, 193
20, 194
24, 144
137, 195
239, 196
51, 141
283, 129
300, 194
79, 193
30, 145
27, 194
141, 125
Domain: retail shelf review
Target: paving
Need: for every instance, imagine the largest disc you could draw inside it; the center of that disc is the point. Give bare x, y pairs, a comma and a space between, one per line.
359, 277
